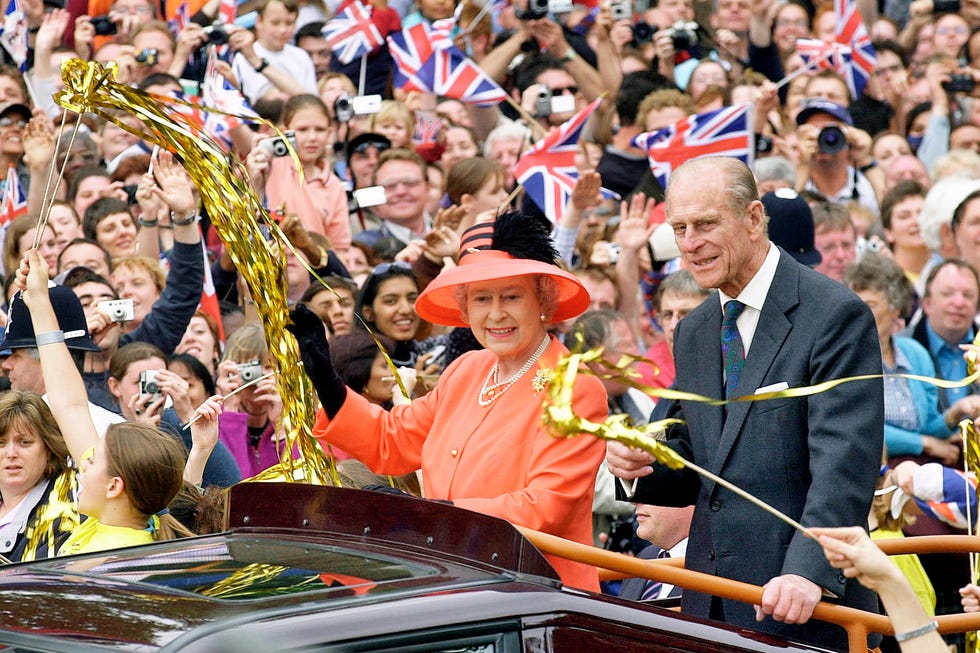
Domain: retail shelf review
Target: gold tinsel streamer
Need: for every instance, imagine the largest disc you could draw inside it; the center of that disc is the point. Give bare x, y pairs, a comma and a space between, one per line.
971, 461
559, 417
233, 207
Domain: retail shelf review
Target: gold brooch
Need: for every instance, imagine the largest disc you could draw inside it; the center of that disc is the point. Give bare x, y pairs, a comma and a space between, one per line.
540, 380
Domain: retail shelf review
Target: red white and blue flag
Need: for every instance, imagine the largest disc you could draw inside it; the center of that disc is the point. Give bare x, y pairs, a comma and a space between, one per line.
850, 53
218, 93
428, 61
547, 171
350, 33
13, 34
427, 130
14, 202
181, 19
724, 132
227, 11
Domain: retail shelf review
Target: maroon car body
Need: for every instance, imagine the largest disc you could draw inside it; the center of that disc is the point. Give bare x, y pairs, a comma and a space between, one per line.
306, 568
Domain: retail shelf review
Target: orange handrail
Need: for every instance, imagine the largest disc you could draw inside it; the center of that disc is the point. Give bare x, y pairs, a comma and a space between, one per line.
857, 623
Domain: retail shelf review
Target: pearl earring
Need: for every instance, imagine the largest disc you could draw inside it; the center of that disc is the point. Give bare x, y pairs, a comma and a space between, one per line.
542, 317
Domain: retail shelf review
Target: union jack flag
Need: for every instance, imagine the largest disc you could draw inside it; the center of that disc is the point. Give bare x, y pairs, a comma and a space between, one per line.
850, 53
182, 17
227, 11
427, 130
547, 171
13, 34
724, 132
350, 33
429, 62
218, 93
13, 203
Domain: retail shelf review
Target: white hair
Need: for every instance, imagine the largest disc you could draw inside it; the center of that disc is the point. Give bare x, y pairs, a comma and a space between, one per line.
941, 200
509, 131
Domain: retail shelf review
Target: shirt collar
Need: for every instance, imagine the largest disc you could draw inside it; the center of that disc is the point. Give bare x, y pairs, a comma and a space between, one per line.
937, 342
17, 520
754, 293
404, 234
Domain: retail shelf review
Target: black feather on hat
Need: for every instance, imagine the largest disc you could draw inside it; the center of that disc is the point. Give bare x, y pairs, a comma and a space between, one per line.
522, 236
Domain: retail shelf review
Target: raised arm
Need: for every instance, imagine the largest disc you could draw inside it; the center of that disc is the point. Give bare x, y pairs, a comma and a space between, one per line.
66, 390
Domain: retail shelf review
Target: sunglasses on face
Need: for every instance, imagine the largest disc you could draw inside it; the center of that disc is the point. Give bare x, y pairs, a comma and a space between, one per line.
362, 148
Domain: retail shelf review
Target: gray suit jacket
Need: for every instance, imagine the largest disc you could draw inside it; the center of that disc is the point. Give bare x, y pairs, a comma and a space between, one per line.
814, 458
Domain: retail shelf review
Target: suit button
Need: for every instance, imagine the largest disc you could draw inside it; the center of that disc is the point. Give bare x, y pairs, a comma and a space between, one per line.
711, 554
453, 452
716, 505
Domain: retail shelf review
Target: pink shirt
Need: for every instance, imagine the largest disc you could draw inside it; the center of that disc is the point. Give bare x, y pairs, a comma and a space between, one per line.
320, 202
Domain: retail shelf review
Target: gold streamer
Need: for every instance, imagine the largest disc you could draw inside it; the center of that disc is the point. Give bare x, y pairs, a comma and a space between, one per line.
971, 461
232, 205
560, 418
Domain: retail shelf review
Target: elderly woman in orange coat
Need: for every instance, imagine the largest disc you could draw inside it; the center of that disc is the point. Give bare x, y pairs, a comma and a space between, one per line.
478, 436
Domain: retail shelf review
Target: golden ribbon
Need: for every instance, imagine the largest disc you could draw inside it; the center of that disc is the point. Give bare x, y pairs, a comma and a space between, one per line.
232, 205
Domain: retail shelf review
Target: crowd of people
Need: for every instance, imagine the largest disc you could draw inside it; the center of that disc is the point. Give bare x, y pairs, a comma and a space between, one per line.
850, 246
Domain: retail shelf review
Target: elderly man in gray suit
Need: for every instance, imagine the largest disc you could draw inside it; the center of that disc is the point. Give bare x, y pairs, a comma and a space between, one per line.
773, 324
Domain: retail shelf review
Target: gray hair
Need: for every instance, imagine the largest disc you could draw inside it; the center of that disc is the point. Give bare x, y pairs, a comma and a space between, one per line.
740, 188
881, 274
774, 168
509, 131
680, 283
940, 203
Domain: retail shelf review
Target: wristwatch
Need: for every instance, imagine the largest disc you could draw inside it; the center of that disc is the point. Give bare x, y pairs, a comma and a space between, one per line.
263, 64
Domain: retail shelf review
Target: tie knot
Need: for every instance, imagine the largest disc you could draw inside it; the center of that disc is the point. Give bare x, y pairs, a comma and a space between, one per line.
733, 308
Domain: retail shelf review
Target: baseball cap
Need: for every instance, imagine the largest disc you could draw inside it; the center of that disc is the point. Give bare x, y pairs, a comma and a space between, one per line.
813, 105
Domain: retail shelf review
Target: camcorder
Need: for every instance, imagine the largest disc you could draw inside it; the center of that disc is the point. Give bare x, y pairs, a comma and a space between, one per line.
831, 139
537, 9
547, 103
277, 146
118, 310
346, 107
249, 371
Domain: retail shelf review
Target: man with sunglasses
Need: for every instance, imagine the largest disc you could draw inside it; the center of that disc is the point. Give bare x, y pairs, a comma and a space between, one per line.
362, 160
401, 173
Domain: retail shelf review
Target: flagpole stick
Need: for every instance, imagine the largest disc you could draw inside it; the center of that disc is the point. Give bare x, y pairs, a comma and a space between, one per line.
361, 81
799, 71
532, 122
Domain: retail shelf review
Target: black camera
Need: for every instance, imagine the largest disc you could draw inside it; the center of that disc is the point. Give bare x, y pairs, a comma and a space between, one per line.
684, 35
831, 139
959, 83
217, 34
131, 193
103, 26
148, 57
643, 32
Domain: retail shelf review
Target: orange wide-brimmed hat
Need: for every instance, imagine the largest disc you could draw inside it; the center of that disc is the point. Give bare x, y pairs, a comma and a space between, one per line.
483, 257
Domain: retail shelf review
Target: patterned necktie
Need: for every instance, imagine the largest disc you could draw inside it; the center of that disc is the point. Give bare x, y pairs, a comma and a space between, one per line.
732, 352
651, 590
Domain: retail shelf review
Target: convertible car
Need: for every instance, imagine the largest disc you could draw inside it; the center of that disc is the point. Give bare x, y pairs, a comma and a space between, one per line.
305, 568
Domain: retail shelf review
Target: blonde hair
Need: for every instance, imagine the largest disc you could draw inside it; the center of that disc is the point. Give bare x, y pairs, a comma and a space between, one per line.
395, 111
247, 344
144, 263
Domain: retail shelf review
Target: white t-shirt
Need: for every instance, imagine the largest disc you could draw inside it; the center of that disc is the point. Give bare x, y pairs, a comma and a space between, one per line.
290, 59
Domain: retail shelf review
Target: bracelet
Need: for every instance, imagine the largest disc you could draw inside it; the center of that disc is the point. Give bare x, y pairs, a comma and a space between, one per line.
49, 338
148, 223
263, 64
191, 217
865, 168
932, 626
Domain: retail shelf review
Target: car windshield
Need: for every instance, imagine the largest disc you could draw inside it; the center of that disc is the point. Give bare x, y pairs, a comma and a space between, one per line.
244, 568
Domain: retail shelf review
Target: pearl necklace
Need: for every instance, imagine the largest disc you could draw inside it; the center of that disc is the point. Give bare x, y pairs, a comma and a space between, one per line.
491, 389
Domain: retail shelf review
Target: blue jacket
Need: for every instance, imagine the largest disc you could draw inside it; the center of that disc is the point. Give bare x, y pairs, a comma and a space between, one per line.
902, 442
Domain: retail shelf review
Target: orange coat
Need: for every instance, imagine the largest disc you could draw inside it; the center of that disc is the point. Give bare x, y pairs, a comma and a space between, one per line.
498, 460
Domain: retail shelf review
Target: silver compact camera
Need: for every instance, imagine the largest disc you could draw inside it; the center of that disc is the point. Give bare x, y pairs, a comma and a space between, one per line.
277, 146
118, 310
149, 385
249, 371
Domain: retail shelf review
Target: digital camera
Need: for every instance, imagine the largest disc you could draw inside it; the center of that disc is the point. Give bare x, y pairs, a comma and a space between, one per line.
119, 310
249, 371
346, 107
621, 10
537, 9
149, 385
548, 103
148, 57
831, 139
276, 146
959, 83
103, 26
216, 34
683, 35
